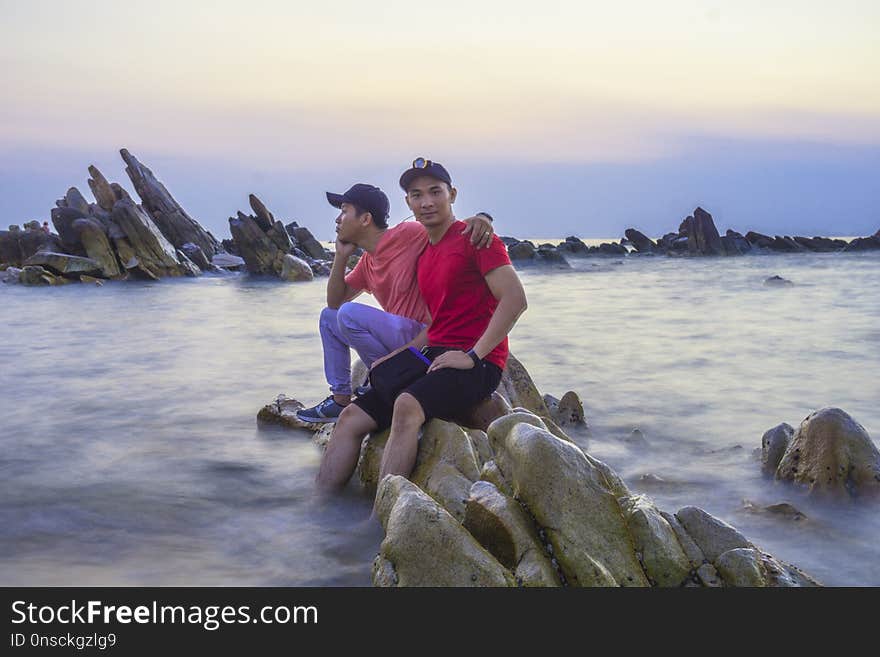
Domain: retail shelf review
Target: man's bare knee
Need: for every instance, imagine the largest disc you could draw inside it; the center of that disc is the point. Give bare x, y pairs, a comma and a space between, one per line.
408, 409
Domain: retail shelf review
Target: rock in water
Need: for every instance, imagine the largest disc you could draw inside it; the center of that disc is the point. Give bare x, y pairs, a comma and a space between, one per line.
703, 237
774, 442
641, 242
260, 254
833, 455
570, 499
94, 239
502, 527
777, 281
63, 263
295, 269
425, 546
144, 242
173, 221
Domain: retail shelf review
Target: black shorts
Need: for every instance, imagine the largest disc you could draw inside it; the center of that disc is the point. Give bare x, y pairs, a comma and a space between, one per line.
447, 394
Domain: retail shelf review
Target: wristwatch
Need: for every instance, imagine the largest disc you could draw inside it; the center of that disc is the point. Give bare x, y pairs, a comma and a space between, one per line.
474, 357
485, 214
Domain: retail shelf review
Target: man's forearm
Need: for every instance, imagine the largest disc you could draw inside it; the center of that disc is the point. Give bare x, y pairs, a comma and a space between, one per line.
509, 308
336, 283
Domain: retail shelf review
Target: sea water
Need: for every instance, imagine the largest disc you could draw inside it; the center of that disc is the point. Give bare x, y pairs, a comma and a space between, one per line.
130, 453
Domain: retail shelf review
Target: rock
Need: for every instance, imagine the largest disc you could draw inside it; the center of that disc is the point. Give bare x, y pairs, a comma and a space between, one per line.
636, 439
227, 261
294, 270
75, 200
550, 257
780, 510
709, 576
641, 242
712, 536
144, 242
91, 279
309, 244
32, 225
759, 240
703, 237
282, 412
101, 189
521, 251
370, 459
172, 220
691, 550
863, 244
485, 413
833, 455
425, 546
197, 256
10, 249
662, 557
480, 443
188, 266
773, 445
518, 388
735, 245
777, 281
62, 263
786, 245
322, 435
741, 567
568, 411
11, 275
446, 465
92, 236
508, 533
30, 242
261, 255
265, 219
573, 246
568, 496
36, 275
610, 249
492, 474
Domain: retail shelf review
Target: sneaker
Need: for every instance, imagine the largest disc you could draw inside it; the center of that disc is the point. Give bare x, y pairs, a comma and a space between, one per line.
360, 391
327, 411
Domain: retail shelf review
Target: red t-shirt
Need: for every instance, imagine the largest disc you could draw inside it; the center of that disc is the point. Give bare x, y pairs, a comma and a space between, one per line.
452, 281
389, 272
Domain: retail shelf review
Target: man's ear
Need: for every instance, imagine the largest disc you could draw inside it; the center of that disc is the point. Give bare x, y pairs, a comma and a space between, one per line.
453, 192
366, 218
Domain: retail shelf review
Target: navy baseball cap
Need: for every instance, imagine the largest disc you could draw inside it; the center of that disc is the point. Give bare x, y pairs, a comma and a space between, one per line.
367, 197
423, 167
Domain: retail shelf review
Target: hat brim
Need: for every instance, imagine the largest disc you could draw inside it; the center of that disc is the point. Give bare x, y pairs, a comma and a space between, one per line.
336, 200
411, 174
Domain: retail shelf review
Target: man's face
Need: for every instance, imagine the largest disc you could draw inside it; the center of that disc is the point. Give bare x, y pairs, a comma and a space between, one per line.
430, 200
349, 226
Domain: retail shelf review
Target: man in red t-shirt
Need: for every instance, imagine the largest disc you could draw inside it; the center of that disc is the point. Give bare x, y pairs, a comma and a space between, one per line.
474, 298
387, 270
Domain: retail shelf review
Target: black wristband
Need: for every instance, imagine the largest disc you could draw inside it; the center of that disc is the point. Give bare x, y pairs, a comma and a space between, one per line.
485, 214
474, 357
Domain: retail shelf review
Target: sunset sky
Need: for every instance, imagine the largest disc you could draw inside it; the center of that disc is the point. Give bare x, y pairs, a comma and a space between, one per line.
558, 117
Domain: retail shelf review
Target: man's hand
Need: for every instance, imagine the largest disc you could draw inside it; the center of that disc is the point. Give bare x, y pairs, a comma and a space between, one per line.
458, 360
480, 229
344, 249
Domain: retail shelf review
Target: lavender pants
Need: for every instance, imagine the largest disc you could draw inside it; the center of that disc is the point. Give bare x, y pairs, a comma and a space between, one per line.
371, 332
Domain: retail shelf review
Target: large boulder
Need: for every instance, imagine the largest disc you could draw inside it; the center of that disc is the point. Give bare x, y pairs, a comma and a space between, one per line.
282, 412
832, 455
295, 269
425, 546
568, 411
63, 263
703, 237
501, 526
863, 244
641, 242
144, 247
94, 239
309, 244
712, 535
446, 465
774, 442
571, 500
656, 543
260, 253
172, 220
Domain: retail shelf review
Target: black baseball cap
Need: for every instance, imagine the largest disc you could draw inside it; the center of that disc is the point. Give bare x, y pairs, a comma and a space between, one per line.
367, 197
423, 167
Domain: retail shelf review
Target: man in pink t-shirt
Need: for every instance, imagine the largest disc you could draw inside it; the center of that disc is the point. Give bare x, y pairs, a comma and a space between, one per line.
388, 271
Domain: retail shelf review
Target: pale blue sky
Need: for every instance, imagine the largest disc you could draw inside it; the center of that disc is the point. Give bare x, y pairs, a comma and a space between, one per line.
585, 117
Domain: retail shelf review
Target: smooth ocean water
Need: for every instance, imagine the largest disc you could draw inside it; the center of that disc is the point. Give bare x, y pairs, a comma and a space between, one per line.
131, 456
